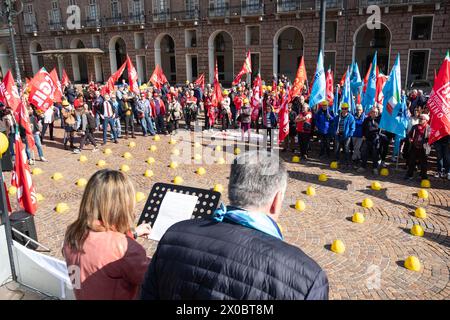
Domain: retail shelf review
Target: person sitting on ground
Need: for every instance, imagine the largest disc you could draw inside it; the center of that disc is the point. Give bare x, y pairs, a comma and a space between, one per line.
100, 245
240, 253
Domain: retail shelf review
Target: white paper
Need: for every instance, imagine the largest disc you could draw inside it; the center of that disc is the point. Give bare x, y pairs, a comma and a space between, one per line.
175, 207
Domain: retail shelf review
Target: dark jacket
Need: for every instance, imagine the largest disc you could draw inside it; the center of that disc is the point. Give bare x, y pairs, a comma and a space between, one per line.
370, 128
203, 259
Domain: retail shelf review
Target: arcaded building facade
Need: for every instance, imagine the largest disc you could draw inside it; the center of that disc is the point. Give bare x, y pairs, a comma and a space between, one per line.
187, 37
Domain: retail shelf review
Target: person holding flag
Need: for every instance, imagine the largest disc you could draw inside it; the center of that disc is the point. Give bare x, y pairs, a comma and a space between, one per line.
344, 127
368, 100
318, 91
323, 120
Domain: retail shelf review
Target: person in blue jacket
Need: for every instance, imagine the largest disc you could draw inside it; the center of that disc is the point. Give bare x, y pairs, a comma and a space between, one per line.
344, 128
358, 134
324, 120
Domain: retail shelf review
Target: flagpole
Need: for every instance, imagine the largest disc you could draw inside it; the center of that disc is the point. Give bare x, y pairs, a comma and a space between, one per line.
10, 13
323, 16
5, 220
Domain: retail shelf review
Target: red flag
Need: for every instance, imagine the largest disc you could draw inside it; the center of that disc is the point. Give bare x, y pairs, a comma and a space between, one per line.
246, 68
381, 81
217, 93
274, 85
23, 119
439, 103
284, 120
366, 78
299, 81
58, 89
256, 97
21, 179
9, 92
341, 83
329, 86
43, 90
65, 81
158, 77
132, 76
201, 81
110, 84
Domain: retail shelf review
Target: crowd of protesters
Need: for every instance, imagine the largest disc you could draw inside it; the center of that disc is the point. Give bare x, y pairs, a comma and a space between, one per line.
351, 138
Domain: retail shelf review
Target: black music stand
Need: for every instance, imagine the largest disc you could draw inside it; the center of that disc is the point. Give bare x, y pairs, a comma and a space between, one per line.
207, 202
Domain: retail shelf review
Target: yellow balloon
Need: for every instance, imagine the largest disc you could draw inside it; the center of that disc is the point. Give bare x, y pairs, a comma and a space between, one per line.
425, 183
39, 197
150, 160
417, 230
201, 171
139, 196
107, 151
218, 188
310, 191
81, 182
384, 172
127, 155
178, 180
61, 207
132, 144
57, 176
172, 141
101, 163
220, 161
36, 171
420, 213
358, 218
237, 151
156, 138
422, 194
300, 205
83, 158
153, 148
197, 156
12, 191
323, 177
367, 203
412, 263
173, 165
334, 165
4, 143
375, 186
296, 159
176, 152
148, 173
124, 168
338, 246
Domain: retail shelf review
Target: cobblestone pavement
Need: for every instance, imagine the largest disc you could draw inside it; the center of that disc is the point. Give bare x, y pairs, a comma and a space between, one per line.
370, 268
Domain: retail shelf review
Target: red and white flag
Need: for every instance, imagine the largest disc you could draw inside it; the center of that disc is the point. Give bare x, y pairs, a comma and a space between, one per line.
110, 84
329, 87
21, 179
439, 103
381, 81
284, 119
158, 77
43, 90
217, 91
299, 81
9, 94
58, 89
256, 97
133, 77
246, 68
200, 81
65, 81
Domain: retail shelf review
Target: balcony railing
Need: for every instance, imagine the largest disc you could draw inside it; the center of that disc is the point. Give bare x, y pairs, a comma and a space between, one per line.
136, 18
192, 14
30, 28
161, 16
219, 11
93, 22
252, 8
54, 20
55, 25
285, 6
331, 4
113, 21
366, 3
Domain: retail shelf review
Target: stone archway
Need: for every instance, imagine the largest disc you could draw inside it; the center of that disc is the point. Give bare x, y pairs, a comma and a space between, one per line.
287, 51
165, 56
220, 50
79, 63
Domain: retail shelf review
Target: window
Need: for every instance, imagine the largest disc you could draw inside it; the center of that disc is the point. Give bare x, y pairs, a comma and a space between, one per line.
58, 43
29, 8
330, 31
422, 28
116, 10
255, 64
160, 5
191, 38
194, 67
55, 5
329, 60
221, 67
418, 65
253, 35
96, 41
139, 40
173, 76
72, 2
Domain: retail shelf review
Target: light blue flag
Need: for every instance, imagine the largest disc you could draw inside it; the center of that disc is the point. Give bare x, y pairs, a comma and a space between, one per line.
318, 92
335, 102
347, 93
394, 105
368, 100
356, 83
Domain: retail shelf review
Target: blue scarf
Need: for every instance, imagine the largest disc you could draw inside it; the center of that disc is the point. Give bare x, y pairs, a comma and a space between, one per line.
257, 221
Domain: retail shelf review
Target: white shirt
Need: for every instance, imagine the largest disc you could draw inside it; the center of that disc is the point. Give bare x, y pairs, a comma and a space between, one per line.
48, 115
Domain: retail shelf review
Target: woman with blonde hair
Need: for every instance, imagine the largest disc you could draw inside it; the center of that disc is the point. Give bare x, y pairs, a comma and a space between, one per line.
103, 258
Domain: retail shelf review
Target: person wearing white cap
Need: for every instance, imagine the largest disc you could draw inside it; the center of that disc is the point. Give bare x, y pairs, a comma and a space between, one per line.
418, 137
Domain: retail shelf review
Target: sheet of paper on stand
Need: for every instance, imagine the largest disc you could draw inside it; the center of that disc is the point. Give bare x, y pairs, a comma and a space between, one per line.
175, 207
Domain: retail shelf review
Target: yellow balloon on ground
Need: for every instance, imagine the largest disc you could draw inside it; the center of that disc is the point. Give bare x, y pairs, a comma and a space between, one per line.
107, 151
178, 180
237, 151
323, 177
127, 155
220, 161
384, 172
173, 165
201, 171
148, 173
101, 163
358, 217
156, 138
83, 158
420, 213
37, 171
124, 168
218, 148
412, 263
334, 165
57, 176
197, 156
12, 191
300, 205
39, 197
81, 182
4, 143
139, 196
296, 159
150, 160
338, 246
153, 148
132, 144
218, 188
172, 141
367, 203
311, 191
417, 230
176, 152
61, 207
422, 194
376, 186
425, 183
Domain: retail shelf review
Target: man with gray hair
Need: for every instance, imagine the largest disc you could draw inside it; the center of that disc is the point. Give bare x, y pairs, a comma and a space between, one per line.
239, 253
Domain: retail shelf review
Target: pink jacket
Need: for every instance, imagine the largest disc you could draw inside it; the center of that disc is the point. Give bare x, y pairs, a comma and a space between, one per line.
112, 267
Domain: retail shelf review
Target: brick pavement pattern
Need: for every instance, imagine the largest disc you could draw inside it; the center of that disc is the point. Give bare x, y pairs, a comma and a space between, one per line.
370, 268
